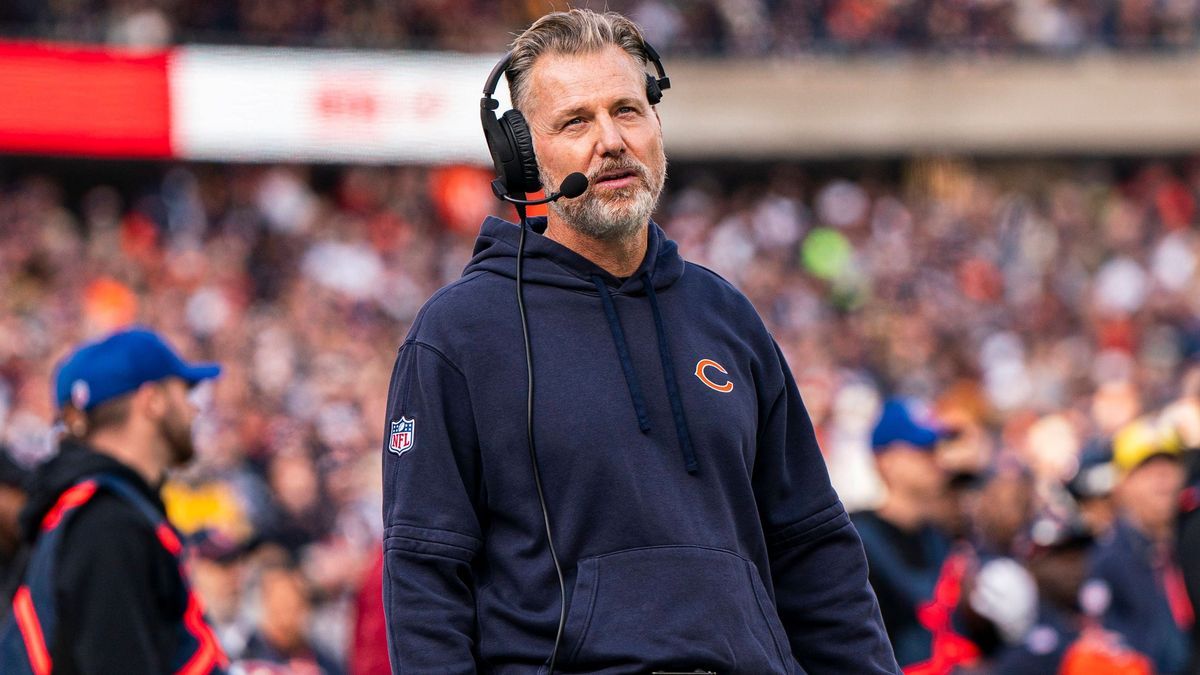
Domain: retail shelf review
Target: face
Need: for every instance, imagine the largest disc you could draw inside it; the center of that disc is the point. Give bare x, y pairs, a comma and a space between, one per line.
1060, 575
285, 608
913, 473
1150, 493
589, 113
1005, 506
1098, 514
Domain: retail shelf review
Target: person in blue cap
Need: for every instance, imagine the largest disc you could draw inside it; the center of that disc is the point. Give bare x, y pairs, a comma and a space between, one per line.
905, 552
105, 590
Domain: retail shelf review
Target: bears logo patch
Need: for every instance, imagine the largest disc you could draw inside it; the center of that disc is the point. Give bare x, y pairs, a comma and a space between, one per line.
402, 436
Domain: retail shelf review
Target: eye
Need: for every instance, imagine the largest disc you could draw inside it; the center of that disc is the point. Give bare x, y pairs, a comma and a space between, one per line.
574, 121
627, 110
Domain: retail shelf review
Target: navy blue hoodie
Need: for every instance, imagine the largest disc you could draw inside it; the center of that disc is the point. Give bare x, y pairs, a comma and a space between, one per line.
689, 502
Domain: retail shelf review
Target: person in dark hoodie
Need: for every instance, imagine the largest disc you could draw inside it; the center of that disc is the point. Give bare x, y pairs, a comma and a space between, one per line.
1138, 562
105, 590
686, 500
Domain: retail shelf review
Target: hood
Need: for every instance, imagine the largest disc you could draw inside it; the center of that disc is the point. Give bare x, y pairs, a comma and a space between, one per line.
549, 263
73, 462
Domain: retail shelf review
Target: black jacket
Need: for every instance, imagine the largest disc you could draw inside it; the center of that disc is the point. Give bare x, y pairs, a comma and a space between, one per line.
119, 593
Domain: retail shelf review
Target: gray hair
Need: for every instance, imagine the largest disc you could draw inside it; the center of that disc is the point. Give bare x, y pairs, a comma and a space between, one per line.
576, 31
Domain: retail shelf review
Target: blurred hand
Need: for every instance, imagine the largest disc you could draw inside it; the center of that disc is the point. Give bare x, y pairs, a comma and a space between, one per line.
1006, 595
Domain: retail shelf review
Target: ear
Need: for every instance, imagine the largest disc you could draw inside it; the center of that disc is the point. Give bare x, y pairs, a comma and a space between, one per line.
150, 401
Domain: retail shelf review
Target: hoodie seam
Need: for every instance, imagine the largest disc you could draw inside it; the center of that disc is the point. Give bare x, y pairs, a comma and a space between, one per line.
809, 529
765, 420
433, 299
446, 359
723, 280
408, 394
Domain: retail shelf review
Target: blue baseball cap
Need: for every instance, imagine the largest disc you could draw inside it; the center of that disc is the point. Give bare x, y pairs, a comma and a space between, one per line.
897, 425
120, 363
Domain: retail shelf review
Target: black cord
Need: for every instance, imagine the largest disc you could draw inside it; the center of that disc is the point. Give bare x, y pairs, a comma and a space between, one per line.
537, 475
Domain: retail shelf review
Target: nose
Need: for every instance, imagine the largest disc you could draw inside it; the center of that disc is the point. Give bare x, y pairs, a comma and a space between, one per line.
609, 141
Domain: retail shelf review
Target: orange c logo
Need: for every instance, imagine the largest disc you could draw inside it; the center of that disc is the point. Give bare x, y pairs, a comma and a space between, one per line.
709, 363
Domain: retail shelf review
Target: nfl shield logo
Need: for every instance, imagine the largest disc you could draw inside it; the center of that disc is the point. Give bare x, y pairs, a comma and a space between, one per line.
402, 436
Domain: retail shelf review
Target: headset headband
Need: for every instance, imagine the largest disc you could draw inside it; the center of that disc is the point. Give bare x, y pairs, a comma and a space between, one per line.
493, 78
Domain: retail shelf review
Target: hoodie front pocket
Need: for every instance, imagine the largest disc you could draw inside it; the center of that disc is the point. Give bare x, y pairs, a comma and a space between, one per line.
673, 606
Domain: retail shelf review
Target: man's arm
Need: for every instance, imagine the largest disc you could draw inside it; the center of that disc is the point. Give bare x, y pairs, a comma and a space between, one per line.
817, 561
110, 566
431, 484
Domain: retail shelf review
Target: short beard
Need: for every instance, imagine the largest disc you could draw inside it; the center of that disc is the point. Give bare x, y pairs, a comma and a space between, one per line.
177, 432
610, 220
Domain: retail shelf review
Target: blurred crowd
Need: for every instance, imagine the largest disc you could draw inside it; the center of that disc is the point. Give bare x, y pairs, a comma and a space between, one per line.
676, 27
994, 355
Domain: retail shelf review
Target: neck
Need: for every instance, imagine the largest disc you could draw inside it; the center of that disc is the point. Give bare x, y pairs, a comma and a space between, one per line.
1157, 532
128, 451
902, 512
620, 258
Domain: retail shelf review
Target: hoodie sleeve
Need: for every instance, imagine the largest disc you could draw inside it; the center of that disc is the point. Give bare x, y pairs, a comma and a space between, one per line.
431, 485
818, 566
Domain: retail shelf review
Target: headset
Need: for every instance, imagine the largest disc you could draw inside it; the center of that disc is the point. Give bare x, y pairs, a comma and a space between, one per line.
511, 146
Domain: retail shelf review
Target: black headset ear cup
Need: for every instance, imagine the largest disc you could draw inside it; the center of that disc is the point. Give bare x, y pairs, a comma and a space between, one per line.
653, 92
523, 175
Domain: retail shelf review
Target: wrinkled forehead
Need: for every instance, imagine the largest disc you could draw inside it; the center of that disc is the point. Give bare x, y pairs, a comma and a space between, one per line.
606, 72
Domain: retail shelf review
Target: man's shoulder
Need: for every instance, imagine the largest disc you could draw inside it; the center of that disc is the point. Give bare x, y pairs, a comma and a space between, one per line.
106, 541
475, 297
716, 290
697, 273
105, 518
868, 522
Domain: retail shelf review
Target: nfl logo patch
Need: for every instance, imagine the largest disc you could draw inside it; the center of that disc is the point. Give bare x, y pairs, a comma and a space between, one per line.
403, 431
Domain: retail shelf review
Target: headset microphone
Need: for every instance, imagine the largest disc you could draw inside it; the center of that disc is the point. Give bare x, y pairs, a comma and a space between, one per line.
572, 186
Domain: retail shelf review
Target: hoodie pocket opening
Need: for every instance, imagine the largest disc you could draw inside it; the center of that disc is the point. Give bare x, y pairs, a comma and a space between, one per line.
584, 614
662, 603
768, 611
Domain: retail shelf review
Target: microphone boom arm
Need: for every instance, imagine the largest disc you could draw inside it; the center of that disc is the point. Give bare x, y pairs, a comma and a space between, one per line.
572, 186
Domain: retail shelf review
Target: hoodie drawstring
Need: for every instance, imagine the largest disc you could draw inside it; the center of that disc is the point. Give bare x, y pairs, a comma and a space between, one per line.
614, 323
681, 430
635, 389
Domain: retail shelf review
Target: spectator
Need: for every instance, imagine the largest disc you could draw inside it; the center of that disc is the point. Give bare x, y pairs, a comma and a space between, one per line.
904, 551
282, 635
1149, 605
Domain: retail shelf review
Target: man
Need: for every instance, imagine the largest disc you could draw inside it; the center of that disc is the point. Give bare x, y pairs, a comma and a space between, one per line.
1182, 419
1149, 603
906, 552
281, 643
105, 590
690, 509
1063, 640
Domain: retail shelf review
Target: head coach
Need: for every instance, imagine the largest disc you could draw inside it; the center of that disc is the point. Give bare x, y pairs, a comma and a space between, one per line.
596, 458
